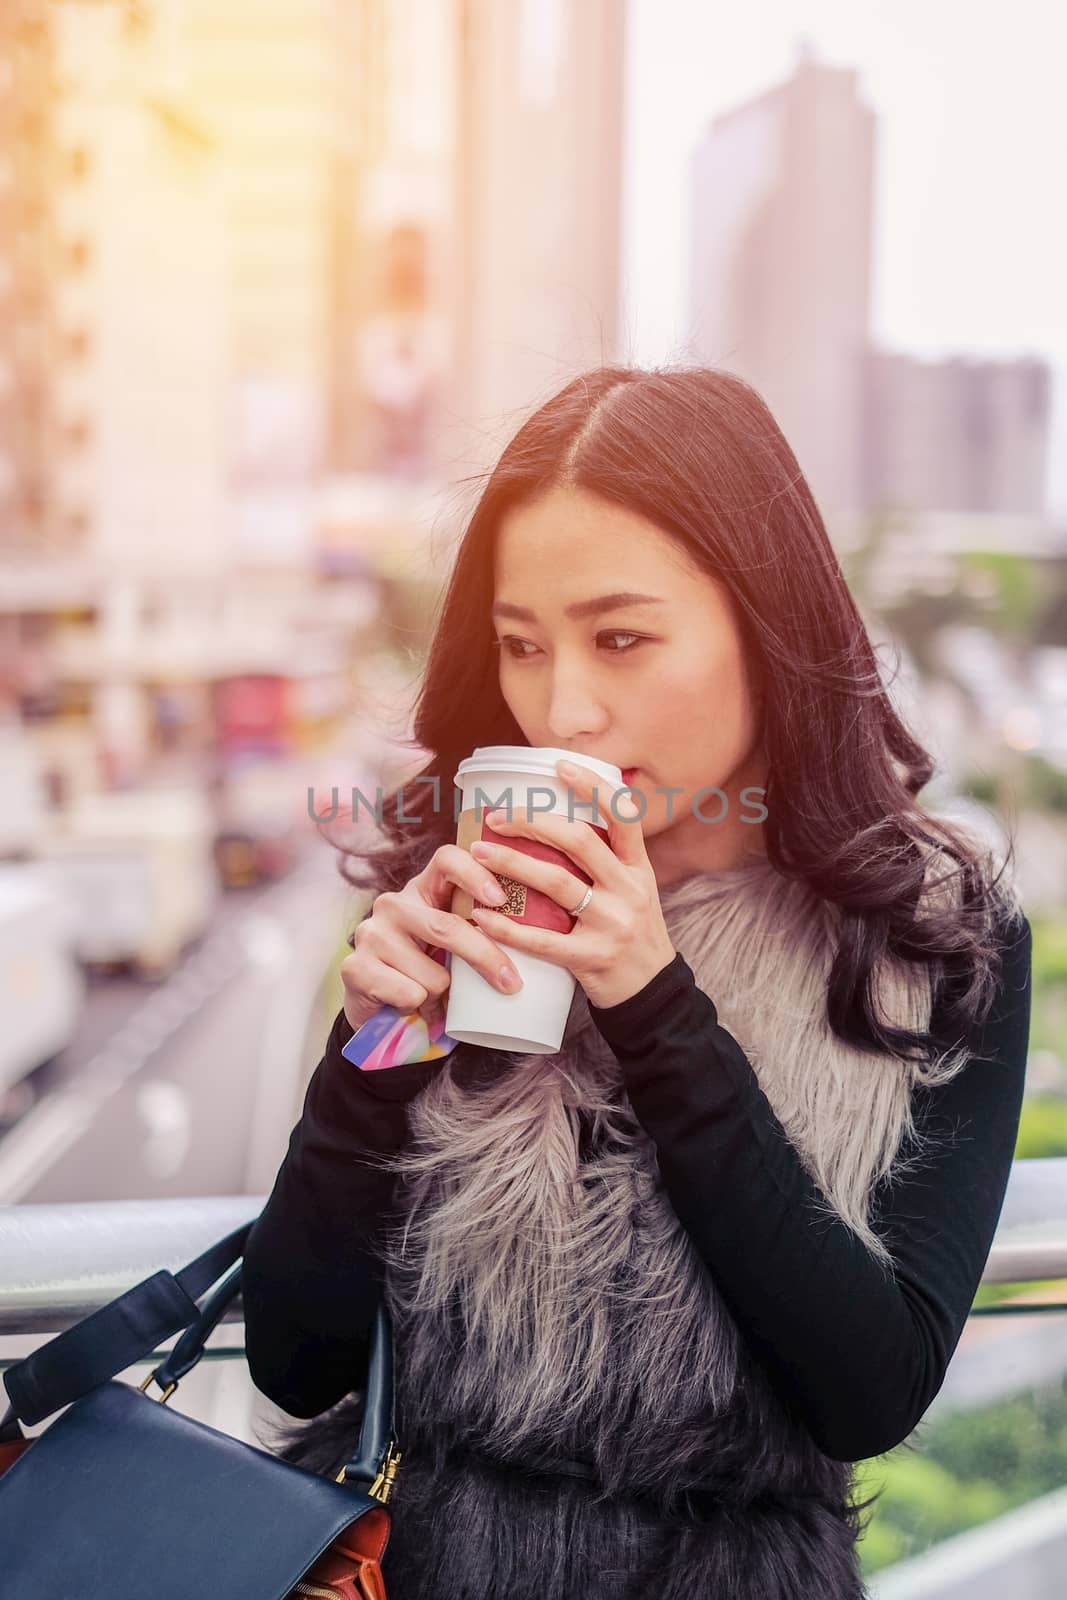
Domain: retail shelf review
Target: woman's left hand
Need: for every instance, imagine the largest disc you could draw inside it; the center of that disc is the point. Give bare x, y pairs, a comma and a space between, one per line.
620, 941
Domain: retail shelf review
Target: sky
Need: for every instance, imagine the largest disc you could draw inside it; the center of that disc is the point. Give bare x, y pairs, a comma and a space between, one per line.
970, 223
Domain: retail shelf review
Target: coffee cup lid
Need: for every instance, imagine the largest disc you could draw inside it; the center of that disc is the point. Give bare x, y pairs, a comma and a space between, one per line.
537, 759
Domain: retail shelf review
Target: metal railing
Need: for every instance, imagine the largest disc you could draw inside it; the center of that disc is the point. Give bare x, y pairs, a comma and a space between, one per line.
60, 1262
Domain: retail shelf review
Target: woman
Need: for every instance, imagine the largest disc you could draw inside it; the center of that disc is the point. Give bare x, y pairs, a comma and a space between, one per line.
653, 1295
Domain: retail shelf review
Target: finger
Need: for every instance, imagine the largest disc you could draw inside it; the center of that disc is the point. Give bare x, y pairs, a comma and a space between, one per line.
626, 837
547, 877
573, 837
377, 985
381, 984
464, 939
393, 949
557, 947
454, 867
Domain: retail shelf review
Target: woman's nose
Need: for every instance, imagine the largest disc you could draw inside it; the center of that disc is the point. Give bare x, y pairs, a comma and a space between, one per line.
575, 721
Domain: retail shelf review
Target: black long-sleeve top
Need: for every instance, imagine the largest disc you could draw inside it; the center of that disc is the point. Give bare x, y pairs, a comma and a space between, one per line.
857, 1353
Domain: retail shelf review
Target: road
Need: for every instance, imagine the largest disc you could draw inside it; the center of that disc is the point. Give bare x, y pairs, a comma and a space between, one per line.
191, 1087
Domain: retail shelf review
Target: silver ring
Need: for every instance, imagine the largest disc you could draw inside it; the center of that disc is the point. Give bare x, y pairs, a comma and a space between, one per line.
585, 901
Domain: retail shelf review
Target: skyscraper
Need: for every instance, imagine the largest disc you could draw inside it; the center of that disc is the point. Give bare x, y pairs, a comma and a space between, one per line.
26, 251
269, 79
780, 262
538, 215
139, 291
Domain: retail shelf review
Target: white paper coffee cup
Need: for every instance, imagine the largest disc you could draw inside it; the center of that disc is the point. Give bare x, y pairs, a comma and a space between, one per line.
534, 1018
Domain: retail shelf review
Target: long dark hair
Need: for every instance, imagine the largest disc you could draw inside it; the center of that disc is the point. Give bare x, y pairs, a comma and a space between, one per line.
697, 452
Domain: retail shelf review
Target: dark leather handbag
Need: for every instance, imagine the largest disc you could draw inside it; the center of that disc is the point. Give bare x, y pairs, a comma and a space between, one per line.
120, 1497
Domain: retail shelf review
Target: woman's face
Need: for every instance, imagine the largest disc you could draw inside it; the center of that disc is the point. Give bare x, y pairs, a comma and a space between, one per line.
660, 685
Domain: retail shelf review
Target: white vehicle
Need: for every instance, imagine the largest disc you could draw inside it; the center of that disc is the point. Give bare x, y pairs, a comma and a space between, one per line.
41, 985
138, 867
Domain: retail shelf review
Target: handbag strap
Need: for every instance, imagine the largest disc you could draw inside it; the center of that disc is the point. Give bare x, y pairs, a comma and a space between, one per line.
114, 1336
117, 1335
378, 1428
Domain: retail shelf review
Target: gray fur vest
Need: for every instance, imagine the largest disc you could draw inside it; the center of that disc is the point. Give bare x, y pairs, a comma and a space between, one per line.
547, 1304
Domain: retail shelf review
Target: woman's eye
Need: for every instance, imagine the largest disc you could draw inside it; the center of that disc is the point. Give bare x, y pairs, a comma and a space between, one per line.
506, 645
510, 642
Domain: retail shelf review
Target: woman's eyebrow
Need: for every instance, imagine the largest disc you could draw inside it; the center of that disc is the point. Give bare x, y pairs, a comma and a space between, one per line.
580, 608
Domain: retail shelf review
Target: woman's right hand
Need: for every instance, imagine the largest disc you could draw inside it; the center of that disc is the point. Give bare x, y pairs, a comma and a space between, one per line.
389, 964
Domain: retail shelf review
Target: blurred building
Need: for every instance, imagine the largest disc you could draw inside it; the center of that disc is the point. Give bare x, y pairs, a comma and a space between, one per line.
540, 148
780, 292
780, 262
277, 82
140, 299
956, 435
481, 268
129, 296
25, 262
113, 359
396, 239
